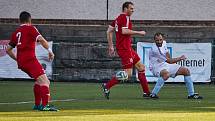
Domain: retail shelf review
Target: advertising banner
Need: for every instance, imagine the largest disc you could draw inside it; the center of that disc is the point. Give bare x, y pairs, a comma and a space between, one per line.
9, 69
198, 59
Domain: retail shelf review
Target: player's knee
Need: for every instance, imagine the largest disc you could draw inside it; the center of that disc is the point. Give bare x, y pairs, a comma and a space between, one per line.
141, 67
43, 80
165, 77
187, 72
45, 83
164, 74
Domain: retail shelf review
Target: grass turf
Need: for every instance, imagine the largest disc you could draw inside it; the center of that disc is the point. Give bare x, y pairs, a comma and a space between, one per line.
125, 104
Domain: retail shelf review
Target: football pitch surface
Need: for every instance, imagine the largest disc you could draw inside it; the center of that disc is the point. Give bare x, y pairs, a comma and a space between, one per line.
85, 102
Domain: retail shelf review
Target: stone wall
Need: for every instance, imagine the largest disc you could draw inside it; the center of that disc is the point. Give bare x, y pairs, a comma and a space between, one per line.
81, 51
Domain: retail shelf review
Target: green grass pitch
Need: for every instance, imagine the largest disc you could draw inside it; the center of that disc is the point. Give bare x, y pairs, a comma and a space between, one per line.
85, 102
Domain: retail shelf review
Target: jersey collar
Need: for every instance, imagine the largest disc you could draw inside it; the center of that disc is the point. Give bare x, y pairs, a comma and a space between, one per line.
25, 24
124, 13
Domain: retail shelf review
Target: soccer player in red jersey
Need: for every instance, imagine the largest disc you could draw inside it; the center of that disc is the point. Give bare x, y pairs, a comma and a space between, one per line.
25, 38
123, 28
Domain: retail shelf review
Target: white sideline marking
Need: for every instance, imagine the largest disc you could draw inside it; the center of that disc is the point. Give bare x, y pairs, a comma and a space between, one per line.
70, 100
27, 102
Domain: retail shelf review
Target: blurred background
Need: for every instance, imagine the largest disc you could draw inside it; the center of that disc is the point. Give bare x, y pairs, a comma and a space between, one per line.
77, 30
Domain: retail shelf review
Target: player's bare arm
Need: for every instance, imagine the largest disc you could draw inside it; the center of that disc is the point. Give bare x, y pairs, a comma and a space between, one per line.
111, 50
132, 32
174, 60
10, 52
45, 44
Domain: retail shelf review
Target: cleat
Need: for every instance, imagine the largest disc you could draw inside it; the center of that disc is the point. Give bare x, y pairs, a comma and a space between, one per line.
146, 96
105, 91
36, 107
195, 96
154, 96
48, 108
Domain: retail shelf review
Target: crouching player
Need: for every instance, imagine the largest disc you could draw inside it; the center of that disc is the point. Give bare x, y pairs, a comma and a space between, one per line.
163, 66
25, 38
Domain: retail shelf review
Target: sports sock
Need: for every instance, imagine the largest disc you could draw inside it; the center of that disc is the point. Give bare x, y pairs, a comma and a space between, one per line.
45, 94
37, 94
112, 82
159, 84
189, 84
143, 82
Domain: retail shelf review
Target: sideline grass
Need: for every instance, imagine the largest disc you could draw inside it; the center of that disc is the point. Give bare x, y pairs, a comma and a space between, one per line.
126, 103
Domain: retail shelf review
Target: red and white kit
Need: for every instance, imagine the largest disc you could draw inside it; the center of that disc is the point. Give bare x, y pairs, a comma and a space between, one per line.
123, 42
24, 38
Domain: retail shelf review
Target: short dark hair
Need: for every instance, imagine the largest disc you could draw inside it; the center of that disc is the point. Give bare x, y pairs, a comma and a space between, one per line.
24, 16
158, 34
126, 4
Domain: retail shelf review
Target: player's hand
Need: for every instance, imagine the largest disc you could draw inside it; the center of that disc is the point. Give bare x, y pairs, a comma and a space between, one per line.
142, 33
111, 51
183, 57
51, 56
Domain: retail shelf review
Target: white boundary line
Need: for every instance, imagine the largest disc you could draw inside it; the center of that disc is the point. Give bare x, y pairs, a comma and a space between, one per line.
70, 100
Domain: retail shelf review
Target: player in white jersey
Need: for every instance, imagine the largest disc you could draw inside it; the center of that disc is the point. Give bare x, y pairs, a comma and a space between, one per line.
163, 67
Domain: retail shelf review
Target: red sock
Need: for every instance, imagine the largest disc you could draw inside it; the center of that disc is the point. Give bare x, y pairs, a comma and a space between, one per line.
112, 82
143, 82
45, 95
37, 94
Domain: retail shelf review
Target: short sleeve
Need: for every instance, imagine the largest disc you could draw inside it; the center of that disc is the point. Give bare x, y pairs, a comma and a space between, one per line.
13, 40
35, 33
124, 21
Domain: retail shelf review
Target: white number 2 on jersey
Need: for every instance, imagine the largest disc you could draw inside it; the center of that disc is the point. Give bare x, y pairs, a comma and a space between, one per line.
18, 35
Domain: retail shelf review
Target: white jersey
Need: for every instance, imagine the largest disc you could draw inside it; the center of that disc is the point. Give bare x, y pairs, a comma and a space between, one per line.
157, 60
157, 55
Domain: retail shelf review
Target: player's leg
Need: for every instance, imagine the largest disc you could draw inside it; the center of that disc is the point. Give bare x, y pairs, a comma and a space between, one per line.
37, 72
45, 93
142, 77
37, 96
187, 79
164, 75
106, 86
44, 86
141, 74
27, 68
127, 64
115, 80
188, 82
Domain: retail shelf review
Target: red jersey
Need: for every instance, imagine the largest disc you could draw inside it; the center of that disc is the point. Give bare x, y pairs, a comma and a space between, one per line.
123, 42
25, 38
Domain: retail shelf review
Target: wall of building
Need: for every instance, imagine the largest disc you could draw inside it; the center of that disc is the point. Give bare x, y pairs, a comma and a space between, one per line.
97, 9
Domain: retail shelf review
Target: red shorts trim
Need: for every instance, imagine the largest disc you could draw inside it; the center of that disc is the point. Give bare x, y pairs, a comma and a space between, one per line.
128, 58
33, 68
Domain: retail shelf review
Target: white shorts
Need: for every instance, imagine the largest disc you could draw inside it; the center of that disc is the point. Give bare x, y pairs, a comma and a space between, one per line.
171, 68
